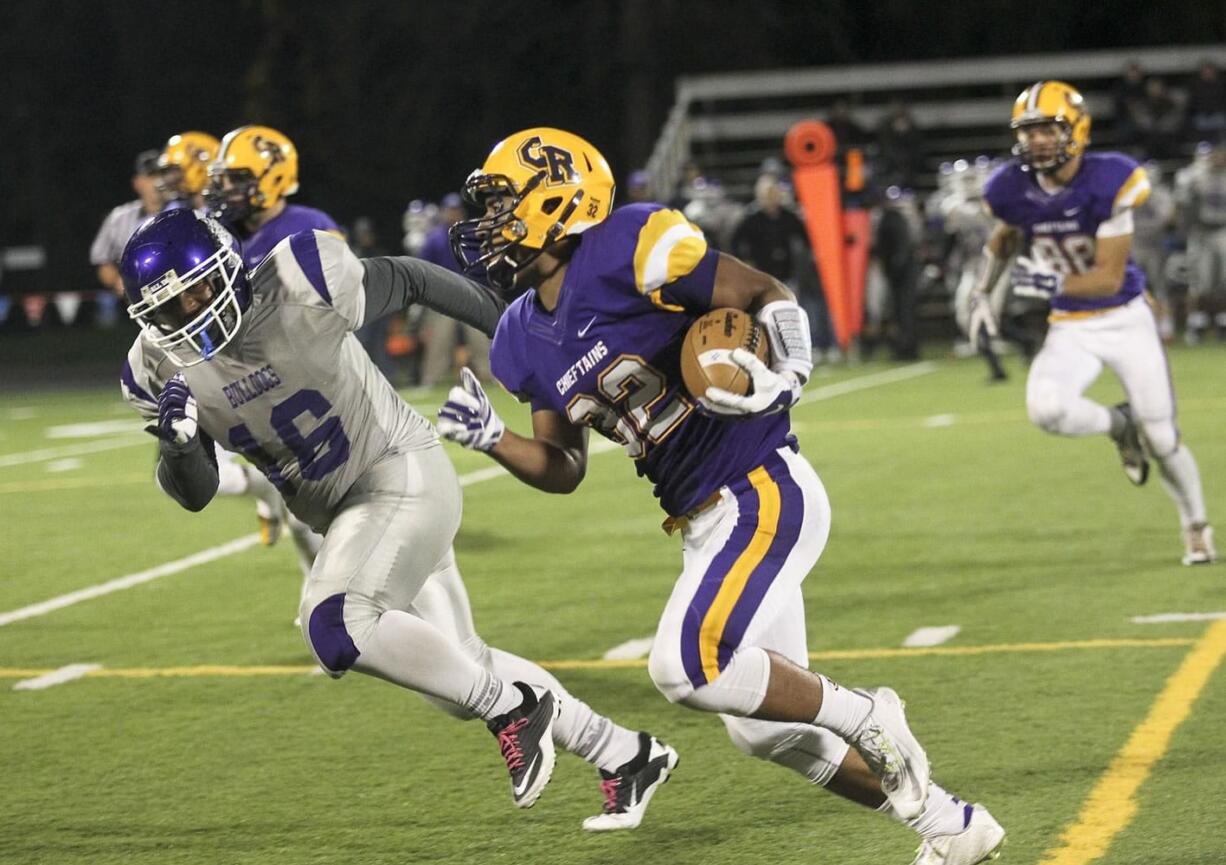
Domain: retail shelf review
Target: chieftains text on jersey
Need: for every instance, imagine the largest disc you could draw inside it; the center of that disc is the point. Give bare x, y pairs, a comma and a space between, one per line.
582, 366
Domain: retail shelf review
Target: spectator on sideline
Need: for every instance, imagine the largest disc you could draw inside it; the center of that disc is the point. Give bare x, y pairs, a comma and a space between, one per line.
772, 238
900, 145
1128, 99
122, 222
444, 334
1207, 102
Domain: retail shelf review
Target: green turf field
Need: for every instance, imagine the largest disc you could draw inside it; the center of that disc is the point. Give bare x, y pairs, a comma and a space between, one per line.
202, 738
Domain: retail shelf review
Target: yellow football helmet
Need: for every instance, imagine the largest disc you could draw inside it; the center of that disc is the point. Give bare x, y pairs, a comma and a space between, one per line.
535, 188
1051, 102
183, 164
256, 167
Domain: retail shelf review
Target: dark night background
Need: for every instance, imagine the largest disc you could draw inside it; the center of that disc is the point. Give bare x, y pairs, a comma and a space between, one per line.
393, 101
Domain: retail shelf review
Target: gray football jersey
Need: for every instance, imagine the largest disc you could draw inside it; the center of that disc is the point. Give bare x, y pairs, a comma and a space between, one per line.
294, 392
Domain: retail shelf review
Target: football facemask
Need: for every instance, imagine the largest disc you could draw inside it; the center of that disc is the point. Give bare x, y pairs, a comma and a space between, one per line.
186, 285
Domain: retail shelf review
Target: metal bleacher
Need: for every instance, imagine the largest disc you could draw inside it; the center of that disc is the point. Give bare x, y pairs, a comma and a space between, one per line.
728, 123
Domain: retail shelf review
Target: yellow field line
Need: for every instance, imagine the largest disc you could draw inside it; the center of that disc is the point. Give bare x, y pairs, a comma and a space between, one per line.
1112, 803
599, 664
947, 651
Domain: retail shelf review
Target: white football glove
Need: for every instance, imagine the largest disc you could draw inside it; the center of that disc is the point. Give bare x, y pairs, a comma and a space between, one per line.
1035, 279
468, 418
980, 319
772, 391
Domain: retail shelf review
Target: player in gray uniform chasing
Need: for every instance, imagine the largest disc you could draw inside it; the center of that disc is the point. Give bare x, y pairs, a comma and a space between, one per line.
265, 363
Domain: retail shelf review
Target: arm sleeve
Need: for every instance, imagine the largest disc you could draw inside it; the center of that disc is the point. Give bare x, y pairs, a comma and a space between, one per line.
188, 472
396, 282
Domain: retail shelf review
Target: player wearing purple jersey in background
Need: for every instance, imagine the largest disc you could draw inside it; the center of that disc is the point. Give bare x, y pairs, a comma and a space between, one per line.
255, 170
593, 342
1070, 212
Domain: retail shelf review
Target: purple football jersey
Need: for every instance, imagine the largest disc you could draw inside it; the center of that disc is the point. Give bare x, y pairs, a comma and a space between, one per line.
608, 356
293, 219
1060, 228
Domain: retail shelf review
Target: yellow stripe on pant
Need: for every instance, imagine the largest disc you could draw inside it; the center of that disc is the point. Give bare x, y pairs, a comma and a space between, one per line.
734, 583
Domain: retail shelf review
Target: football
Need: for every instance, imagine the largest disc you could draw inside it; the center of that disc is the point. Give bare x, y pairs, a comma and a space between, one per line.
706, 353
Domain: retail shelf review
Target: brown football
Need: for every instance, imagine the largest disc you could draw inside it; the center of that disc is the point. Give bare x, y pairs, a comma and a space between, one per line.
706, 352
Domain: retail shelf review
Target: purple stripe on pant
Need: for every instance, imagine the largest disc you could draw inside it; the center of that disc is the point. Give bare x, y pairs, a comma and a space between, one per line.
791, 516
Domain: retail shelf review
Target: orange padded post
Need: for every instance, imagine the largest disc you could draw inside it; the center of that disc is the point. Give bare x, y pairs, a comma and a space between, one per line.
810, 147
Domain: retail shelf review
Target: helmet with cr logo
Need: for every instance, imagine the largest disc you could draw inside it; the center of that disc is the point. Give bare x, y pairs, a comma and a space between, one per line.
535, 188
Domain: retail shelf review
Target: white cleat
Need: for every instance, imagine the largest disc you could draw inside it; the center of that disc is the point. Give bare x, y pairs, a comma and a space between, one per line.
629, 789
1198, 545
980, 841
893, 753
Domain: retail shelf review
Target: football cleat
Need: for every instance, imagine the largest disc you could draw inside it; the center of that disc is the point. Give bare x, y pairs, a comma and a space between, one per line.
1132, 454
271, 520
525, 737
893, 753
980, 841
629, 788
1198, 545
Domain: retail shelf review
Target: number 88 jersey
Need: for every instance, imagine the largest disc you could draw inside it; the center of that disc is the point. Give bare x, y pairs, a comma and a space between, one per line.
294, 392
1060, 228
609, 355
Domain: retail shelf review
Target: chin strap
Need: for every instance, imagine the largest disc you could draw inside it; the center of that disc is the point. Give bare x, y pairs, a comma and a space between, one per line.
787, 327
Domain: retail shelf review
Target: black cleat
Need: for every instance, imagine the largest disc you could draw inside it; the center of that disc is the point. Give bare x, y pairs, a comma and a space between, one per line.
525, 736
628, 789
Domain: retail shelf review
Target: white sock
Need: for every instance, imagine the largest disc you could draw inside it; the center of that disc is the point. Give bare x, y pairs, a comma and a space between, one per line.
1181, 479
411, 652
306, 541
843, 711
231, 478
578, 729
944, 814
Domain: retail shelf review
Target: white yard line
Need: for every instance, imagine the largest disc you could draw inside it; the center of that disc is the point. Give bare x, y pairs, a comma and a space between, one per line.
1162, 618
67, 464
931, 636
630, 650
865, 382
110, 444
56, 677
938, 420
127, 582
94, 429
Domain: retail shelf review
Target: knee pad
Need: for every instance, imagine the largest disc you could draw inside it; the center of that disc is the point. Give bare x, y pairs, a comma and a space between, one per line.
1045, 407
668, 674
1161, 436
329, 639
738, 690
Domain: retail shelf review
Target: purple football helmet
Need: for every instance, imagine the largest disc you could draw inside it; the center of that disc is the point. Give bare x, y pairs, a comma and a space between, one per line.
186, 285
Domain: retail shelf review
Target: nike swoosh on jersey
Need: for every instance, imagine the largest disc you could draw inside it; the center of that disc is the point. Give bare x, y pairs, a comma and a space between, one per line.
583, 330
529, 775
